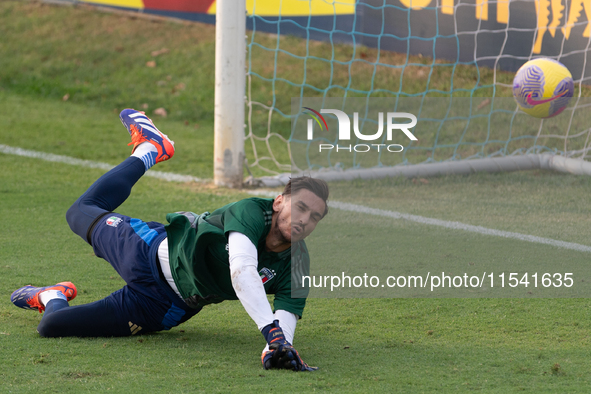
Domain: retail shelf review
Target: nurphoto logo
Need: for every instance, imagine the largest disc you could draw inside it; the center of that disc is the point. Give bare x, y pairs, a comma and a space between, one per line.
344, 130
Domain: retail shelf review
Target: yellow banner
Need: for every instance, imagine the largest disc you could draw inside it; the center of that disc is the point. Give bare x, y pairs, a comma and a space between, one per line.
296, 7
119, 3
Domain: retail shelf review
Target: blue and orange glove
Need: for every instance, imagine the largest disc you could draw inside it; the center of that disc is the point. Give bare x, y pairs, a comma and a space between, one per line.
281, 354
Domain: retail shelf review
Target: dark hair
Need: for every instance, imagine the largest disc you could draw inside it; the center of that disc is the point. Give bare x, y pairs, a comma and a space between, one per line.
316, 186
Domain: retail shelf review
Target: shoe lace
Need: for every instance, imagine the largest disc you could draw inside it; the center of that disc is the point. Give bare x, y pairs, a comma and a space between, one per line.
137, 135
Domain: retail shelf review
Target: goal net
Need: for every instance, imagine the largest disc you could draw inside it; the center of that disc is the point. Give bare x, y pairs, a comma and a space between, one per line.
450, 62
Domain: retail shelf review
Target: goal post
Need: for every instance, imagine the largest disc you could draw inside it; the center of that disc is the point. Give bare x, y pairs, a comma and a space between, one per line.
230, 77
399, 49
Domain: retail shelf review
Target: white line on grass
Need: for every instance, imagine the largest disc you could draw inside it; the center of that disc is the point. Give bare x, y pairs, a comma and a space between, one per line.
447, 224
168, 176
458, 226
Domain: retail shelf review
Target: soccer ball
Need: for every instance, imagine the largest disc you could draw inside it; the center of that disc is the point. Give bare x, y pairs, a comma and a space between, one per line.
543, 87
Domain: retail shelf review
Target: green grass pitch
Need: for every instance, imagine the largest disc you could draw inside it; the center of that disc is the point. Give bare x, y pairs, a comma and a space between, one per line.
413, 345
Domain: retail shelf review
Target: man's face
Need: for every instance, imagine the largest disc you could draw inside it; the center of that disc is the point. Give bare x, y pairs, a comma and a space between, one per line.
299, 214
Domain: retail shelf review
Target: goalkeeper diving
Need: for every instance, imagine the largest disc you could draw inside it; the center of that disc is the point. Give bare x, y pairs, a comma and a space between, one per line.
242, 251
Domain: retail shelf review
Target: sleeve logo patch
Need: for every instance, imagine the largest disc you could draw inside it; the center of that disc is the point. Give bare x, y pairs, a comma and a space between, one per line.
113, 221
266, 274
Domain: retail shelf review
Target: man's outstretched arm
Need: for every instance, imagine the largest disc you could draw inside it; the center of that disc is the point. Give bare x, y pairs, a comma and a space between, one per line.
250, 291
246, 280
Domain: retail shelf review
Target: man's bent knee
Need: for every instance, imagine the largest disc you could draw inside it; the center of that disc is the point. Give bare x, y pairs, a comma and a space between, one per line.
50, 327
82, 219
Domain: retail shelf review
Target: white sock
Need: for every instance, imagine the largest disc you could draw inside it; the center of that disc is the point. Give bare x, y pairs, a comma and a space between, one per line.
49, 295
146, 152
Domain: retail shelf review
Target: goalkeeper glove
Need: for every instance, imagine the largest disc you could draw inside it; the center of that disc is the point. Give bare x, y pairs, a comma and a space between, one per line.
281, 354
